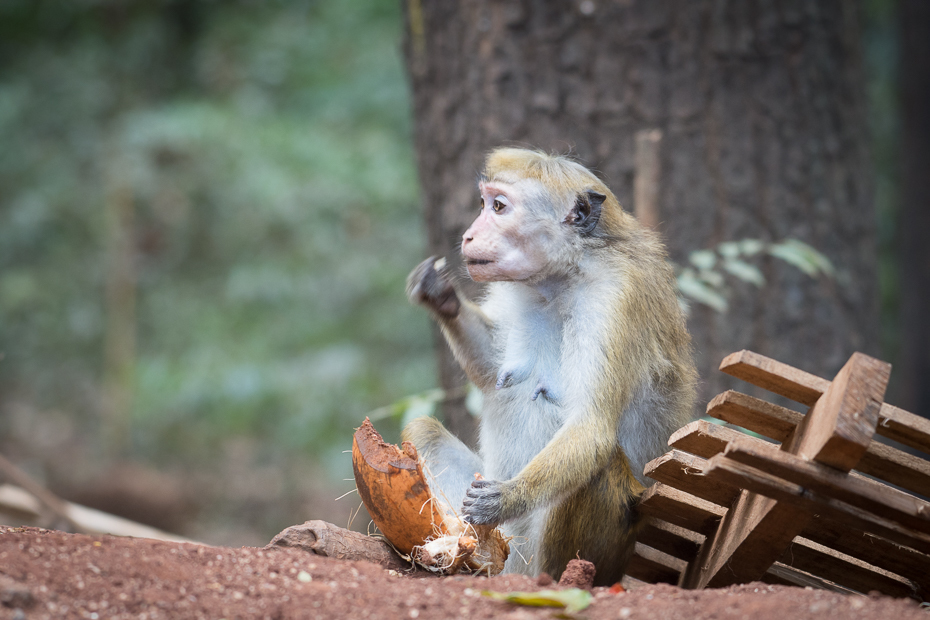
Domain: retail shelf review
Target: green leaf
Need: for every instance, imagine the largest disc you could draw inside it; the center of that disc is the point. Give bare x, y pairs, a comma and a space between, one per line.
573, 599
712, 277
802, 256
703, 259
751, 247
692, 287
729, 249
744, 271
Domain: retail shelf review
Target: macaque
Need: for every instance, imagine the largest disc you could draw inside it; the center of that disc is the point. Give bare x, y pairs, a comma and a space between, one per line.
581, 352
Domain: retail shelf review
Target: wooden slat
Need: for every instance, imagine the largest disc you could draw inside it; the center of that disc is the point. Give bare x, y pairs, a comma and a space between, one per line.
780, 575
844, 570
686, 471
752, 479
703, 438
754, 414
837, 431
853, 489
890, 464
904, 427
897, 467
802, 387
652, 566
870, 548
774, 376
661, 501
677, 542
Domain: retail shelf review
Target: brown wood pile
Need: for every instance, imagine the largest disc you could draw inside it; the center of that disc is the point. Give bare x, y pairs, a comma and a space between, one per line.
818, 500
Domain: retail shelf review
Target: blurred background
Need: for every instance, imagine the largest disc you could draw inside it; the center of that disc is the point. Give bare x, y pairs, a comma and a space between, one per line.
207, 214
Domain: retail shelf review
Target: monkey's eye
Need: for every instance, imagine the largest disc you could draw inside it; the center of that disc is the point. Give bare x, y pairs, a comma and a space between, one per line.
498, 206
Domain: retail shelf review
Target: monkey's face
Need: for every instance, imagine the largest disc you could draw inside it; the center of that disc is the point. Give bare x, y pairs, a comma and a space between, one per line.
510, 239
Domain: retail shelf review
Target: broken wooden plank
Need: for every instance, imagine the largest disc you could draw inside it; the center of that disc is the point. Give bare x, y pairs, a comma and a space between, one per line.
678, 542
653, 566
853, 489
875, 550
775, 376
752, 479
836, 432
661, 501
686, 471
754, 414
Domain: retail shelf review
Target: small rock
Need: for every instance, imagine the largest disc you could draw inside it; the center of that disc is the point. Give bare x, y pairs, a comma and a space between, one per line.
544, 579
578, 574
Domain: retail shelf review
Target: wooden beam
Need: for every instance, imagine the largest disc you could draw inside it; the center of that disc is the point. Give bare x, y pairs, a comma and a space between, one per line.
754, 414
836, 432
661, 501
840, 426
774, 376
853, 489
686, 471
904, 427
845, 570
673, 540
725, 469
870, 548
704, 439
652, 566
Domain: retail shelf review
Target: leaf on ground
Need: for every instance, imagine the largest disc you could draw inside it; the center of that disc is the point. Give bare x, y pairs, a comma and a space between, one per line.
573, 599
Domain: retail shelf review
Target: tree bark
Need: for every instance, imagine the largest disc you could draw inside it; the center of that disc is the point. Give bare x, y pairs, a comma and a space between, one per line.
760, 105
914, 220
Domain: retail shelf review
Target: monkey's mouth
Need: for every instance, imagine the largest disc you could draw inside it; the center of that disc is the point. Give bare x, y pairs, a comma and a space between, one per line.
478, 261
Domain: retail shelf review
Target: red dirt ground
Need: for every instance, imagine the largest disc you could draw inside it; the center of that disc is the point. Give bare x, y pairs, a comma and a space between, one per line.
46, 574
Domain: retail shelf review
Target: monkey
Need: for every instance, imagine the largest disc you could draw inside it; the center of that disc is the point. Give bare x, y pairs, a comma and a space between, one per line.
580, 349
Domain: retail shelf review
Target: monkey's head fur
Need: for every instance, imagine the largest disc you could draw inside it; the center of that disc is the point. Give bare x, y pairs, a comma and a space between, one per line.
539, 216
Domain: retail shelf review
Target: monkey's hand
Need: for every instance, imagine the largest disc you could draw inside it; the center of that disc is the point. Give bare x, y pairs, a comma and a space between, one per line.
429, 286
486, 503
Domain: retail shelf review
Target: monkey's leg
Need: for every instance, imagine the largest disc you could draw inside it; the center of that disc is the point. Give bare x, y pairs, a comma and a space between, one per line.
598, 523
450, 462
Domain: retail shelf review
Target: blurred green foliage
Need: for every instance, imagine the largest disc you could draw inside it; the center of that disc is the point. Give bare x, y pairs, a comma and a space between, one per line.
266, 150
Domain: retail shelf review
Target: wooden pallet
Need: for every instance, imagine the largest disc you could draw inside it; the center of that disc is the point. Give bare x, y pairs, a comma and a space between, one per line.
817, 500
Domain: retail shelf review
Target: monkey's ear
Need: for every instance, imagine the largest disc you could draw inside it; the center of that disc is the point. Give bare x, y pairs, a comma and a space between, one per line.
586, 212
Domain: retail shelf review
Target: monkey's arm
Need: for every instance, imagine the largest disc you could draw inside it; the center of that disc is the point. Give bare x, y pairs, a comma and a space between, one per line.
466, 328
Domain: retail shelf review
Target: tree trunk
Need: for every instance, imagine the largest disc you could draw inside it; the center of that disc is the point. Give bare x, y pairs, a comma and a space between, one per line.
914, 221
761, 108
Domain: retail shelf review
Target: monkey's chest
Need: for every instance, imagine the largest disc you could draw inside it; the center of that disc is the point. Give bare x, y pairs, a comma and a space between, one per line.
526, 408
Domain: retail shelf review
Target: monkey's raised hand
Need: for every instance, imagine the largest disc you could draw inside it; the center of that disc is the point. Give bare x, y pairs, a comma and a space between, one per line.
429, 286
483, 503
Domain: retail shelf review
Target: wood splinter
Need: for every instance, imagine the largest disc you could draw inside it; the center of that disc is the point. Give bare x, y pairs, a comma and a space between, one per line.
394, 489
